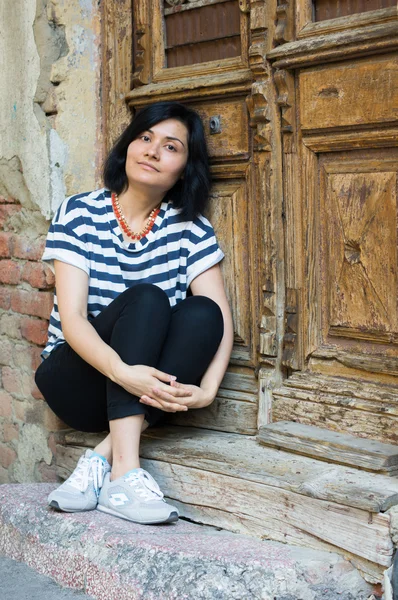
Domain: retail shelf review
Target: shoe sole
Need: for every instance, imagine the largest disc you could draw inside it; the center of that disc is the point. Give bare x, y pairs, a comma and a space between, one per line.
173, 516
54, 504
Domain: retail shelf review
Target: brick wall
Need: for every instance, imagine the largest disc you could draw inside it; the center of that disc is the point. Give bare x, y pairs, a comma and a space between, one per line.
26, 297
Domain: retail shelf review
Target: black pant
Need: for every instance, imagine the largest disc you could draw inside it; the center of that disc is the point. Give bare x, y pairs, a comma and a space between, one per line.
143, 329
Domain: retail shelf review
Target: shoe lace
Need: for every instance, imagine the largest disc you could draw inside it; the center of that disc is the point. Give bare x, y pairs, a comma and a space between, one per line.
88, 469
144, 485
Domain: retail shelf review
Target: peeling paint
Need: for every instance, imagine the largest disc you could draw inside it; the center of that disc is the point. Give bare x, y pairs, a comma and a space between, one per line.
80, 43
49, 120
19, 55
58, 161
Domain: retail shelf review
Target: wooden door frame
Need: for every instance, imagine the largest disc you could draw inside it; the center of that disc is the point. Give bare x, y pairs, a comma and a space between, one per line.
116, 68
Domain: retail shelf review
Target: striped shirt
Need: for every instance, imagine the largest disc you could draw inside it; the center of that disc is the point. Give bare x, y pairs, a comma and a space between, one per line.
85, 233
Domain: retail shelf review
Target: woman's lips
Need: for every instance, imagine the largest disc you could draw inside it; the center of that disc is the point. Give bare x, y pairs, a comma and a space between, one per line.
148, 167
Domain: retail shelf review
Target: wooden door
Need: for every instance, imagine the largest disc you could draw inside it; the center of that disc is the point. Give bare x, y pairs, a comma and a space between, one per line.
210, 54
336, 69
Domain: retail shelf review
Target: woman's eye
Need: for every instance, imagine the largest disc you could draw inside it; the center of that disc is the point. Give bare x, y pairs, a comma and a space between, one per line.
170, 147
145, 137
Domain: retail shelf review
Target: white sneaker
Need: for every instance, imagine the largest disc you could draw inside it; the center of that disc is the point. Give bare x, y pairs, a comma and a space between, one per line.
81, 490
135, 497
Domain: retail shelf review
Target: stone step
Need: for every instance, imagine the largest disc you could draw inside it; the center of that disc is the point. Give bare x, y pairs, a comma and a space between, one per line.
331, 446
231, 481
112, 559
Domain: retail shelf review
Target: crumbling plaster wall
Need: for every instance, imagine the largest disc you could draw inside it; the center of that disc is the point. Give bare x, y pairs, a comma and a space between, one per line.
49, 99
50, 147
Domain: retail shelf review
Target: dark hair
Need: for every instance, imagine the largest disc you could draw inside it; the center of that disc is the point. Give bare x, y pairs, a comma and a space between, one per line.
191, 193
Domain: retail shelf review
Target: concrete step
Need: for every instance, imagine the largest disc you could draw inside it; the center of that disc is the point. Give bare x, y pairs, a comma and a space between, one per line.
112, 559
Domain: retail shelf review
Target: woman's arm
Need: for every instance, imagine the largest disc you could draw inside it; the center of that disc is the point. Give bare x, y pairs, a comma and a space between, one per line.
210, 283
72, 296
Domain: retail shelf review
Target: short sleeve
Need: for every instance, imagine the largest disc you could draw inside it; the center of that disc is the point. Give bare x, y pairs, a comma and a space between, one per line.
204, 251
66, 238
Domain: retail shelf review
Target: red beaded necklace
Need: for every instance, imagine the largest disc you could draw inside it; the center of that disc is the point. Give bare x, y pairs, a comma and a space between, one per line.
123, 223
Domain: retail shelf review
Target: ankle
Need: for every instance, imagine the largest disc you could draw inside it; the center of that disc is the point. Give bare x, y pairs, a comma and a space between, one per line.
104, 454
120, 470
104, 458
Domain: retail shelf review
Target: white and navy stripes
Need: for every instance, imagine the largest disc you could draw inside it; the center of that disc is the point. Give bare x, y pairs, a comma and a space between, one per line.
85, 233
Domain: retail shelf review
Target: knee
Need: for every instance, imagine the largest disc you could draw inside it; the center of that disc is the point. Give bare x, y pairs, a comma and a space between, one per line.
206, 313
148, 295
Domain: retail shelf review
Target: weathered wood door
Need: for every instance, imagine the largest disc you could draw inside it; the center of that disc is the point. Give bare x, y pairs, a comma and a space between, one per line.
300, 104
336, 69
210, 54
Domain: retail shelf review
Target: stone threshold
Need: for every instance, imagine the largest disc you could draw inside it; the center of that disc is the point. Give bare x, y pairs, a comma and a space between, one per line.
112, 559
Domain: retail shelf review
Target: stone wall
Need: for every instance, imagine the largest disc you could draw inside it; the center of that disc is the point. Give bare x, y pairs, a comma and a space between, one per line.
50, 147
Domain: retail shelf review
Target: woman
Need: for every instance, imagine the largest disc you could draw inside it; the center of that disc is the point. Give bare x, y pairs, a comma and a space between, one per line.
132, 346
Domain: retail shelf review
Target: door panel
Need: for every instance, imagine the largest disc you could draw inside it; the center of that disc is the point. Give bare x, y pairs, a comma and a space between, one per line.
232, 138
351, 308
228, 214
360, 250
330, 94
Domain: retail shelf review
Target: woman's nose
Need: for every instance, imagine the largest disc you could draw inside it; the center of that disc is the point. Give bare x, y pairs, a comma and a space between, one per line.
153, 150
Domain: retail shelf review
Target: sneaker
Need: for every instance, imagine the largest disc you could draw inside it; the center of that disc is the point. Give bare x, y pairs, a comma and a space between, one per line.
81, 490
136, 497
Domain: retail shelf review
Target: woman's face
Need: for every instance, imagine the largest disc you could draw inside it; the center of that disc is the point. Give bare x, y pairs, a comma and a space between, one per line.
157, 157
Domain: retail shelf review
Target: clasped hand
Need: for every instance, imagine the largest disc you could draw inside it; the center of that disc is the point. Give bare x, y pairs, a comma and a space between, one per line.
149, 384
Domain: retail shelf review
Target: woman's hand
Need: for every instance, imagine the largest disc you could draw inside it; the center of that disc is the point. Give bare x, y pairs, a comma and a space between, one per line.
198, 398
144, 381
